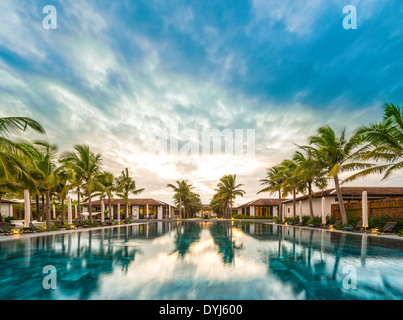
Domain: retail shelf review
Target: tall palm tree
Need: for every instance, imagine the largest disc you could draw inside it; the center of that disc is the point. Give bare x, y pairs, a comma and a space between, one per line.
228, 190
336, 154
48, 172
181, 191
310, 173
107, 187
292, 183
385, 143
86, 165
126, 185
13, 158
274, 181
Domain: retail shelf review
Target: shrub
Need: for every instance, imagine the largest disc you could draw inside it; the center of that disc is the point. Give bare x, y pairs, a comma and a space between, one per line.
315, 220
8, 219
90, 223
244, 216
400, 233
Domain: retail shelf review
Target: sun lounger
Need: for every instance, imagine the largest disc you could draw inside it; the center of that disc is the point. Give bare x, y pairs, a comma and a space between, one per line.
389, 227
30, 229
357, 227
5, 228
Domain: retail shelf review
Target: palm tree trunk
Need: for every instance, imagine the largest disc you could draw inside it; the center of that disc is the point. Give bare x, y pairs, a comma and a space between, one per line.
180, 208
294, 203
48, 216
37, 206
310, 200
62, 216
89, 206
110, 209
43, 207
341, 202
127, 211
280, 207
1, 217
79, 202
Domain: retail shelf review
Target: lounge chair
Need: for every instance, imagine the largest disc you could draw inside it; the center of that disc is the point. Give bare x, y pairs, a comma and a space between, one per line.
326, 226
389, 227
30, 229
5, 228
357, 227
59, 224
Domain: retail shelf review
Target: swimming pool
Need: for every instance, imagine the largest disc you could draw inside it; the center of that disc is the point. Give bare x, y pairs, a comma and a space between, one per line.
203, 261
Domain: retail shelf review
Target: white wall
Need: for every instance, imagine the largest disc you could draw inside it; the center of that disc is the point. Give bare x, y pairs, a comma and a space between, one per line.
135, 212
316, 205
6, 209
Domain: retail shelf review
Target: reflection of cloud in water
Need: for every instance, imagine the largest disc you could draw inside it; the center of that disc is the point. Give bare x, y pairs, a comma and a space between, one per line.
162, 275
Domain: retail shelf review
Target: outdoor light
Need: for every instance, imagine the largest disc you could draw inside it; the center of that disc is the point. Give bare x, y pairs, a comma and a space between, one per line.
15, 232
374, 232
331, 227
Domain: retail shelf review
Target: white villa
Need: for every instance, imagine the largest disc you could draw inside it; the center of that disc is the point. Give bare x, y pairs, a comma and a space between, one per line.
329, 197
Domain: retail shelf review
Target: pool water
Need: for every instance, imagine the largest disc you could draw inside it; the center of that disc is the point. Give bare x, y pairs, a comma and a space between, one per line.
203, 261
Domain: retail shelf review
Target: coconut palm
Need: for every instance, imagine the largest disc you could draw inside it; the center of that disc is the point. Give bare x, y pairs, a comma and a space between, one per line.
126, 185
107, 187
336, 155
46, 172
181, 191
274, 181
86, 166
14, 159
228, 190
385, 143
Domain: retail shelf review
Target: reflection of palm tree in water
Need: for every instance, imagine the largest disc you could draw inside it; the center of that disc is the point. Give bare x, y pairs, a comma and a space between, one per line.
183, 240
222, 235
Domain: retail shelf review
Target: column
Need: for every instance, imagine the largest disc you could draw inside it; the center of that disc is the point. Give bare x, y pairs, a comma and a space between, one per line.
159, 213
118, 213
27, 204
365, 209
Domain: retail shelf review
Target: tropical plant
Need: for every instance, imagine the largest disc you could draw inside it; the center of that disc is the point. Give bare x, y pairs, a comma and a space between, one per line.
309, 173
126, 185
228, 190
86, 166
385, 143
274, 181
181, 191
336, 155
46, 172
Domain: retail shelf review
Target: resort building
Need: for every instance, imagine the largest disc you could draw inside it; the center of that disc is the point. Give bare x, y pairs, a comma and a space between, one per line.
138, 208
327, 199
206, 211
261, 208
6, 208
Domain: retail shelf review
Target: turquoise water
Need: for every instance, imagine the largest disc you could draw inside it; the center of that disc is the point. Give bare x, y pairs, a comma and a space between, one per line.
203, 261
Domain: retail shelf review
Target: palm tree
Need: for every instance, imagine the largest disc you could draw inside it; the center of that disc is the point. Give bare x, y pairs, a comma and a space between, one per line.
309, 172
86, 166
336, 154
181, 191
385, 143
228, 190
107, 187
292, 183
274, 181
47, 171
126, 185
13, 159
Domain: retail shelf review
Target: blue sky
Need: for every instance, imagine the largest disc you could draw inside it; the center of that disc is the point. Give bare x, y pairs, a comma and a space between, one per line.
114, 73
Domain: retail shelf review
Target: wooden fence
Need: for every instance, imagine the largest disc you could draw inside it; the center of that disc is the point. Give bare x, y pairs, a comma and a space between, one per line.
384, 207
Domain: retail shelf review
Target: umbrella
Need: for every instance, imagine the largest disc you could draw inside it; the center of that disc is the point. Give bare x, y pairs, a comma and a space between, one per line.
102, 211
323, 210
365, 209
69, 211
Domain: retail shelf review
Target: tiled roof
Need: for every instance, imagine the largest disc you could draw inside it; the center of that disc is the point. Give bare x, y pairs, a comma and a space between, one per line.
133, 202
261, 202
356, 192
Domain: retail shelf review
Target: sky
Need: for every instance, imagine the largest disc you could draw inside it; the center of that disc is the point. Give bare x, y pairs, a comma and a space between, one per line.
119, 75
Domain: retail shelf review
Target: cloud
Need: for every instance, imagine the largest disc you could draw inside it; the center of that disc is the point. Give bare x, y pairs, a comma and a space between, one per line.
115, 75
